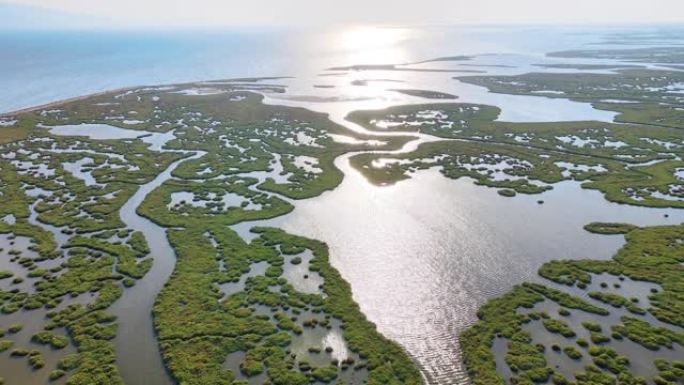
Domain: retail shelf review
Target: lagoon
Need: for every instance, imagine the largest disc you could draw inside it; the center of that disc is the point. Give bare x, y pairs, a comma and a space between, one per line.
421, 255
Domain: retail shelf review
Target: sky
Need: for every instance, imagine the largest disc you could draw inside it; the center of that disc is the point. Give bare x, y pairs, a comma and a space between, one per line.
160, 13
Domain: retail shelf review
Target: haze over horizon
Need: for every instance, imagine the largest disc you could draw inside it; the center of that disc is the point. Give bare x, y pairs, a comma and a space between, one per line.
28, 14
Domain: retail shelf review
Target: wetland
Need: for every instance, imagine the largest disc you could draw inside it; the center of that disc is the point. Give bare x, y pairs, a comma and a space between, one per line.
403, 224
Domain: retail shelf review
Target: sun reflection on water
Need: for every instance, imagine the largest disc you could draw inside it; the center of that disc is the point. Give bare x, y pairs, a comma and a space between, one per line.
373, 45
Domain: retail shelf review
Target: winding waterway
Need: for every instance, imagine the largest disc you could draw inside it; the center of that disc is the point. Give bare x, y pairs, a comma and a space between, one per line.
137, 347
421, 255
424, 254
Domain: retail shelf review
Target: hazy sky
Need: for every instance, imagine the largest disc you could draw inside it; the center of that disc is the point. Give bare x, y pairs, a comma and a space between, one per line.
312, 12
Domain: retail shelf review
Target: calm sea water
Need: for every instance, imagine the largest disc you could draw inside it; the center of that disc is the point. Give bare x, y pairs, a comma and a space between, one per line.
422, 255
39, 67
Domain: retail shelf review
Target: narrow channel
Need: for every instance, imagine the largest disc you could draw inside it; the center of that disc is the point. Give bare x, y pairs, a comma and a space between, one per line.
138, 355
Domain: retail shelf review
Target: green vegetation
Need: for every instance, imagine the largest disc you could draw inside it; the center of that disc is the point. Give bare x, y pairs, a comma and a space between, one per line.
638, 55
587, 66
572, 352
592, 326
669, 372
19, 352
558, 326
608, 359
651, 254
5, 344
609, 228
14, 328
239, 144
507, 192
616, 300
66, 192
646, 335
54, 340
13, 133
634, 164
629, 163
426, 94
65, 195
192, 316
642, 96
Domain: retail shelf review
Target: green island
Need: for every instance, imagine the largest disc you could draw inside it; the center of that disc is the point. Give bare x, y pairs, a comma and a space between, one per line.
426, 94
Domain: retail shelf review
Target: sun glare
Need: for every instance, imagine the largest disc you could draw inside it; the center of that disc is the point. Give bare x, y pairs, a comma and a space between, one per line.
373, 45
371, 37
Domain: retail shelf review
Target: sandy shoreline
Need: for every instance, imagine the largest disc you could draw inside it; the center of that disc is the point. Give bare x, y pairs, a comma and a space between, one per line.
58, 103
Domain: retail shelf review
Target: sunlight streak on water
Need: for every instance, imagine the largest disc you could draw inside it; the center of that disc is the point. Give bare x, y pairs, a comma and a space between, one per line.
424, 254
373, 45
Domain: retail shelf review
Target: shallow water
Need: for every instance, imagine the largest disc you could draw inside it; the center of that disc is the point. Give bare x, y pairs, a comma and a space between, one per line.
44, 66
76, 169
424, 254
640, 358
136, 344
15, 370
98, 131
301, 277
255, 269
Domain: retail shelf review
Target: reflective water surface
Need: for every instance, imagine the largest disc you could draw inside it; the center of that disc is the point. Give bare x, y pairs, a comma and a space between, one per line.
420, 255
